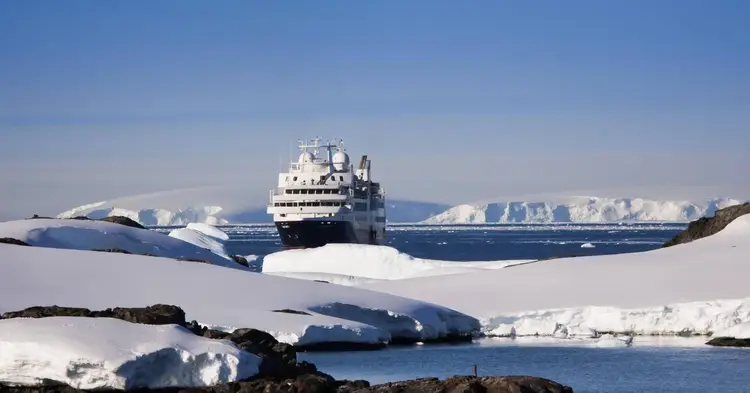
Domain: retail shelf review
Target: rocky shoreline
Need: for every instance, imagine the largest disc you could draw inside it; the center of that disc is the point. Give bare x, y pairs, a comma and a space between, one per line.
317, 382
279, 369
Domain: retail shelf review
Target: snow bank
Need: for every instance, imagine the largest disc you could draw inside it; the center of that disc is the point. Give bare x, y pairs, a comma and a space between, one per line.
204, 236
697, 287
222, 298
358, 263
580, 209
93, 353
99, 235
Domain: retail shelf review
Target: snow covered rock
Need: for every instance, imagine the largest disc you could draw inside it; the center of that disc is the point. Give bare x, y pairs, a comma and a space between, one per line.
673, 290
105, 353
352, 264
100, 235
220, 298
707, 226
734, 336
579, 209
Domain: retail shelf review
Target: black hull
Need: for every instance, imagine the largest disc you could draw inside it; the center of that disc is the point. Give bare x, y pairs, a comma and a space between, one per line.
314, 233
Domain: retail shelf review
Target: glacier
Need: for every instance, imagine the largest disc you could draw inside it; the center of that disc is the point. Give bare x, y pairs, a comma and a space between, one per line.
222, 205
580, 209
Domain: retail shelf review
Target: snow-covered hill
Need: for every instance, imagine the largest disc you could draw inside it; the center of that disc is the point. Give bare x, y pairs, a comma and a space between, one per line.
219, 206
580, 209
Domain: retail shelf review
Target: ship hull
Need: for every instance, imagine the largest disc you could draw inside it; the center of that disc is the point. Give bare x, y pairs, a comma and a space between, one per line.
315, 233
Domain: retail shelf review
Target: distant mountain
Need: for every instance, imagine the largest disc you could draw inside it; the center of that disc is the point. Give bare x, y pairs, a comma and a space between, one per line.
580, 209
219, 206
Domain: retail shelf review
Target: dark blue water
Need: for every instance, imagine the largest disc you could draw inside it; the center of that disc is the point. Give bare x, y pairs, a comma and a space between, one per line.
648, 368
488, 242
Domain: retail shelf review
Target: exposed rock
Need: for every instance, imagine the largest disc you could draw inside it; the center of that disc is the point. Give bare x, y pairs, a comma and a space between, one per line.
194, 260
241, 260
123, 221
35, 216
511, 384
317, 382
729, 342
10, 240
48, 311
288, 311
115, 250
707, 226
159, 314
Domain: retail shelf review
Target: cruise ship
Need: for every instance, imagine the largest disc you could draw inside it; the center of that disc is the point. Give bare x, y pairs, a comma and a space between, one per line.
323, 199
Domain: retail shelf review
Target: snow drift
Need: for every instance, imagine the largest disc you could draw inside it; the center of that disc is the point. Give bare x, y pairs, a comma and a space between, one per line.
204, 236
580, 209
220, 298
102, 235
698, 287
351, 264
106, 353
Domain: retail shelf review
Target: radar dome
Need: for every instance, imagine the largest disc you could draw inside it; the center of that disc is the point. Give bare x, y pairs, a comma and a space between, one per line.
340, 161
306, 158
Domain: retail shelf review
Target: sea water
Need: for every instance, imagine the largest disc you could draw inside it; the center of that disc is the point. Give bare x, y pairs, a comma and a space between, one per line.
664, 366
488, 242
650, 365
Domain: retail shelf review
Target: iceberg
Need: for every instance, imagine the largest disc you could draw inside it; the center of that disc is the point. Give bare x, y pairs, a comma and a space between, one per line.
580, 209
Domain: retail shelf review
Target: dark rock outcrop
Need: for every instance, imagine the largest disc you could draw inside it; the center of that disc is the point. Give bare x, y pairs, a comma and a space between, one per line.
115, 250
159, 314
10, 240
289, 311
185, 259
707, 226
729, 342
317, 382
241, 260
123, 221
36, 216
510, 384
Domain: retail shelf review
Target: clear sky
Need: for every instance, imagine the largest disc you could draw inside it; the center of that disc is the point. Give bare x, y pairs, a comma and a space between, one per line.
453, 101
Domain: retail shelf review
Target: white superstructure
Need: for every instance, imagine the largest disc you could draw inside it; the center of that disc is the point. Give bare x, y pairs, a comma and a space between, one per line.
323, 199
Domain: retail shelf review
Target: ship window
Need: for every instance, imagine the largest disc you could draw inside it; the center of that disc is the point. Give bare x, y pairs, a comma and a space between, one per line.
333, 178
294, 178
316, 203
341, 178
318, 191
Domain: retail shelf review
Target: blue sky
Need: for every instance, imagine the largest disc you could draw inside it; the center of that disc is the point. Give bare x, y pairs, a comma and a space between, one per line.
453, 101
